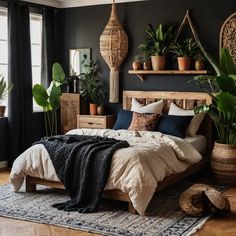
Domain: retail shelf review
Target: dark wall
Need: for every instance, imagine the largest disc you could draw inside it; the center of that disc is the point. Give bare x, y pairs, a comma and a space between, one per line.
83, 27
3, 139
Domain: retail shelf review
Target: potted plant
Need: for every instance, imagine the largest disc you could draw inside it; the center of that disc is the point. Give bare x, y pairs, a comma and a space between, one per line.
147, 63
158, 43
199, 61
137, 63
4, 91
222, 88
49, 99
91, 87
184, 51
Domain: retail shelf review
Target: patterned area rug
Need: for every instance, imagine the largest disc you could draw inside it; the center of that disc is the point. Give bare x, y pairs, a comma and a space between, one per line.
164, 215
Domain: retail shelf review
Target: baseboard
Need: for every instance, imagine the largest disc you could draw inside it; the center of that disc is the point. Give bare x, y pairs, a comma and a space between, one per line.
3, 164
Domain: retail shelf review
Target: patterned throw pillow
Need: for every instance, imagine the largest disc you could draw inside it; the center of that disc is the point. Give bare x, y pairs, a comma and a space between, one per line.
143, 122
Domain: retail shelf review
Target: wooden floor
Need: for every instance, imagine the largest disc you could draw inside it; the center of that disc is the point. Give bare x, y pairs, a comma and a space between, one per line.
10, 227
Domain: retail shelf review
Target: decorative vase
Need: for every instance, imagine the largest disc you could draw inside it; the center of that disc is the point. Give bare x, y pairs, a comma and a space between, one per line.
100, 110
93, 109
184, 63
158, 62
147, 65
137, 65
199, 65
2, 111
223, 163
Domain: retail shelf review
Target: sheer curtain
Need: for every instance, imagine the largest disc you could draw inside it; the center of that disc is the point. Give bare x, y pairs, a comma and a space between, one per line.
20, 74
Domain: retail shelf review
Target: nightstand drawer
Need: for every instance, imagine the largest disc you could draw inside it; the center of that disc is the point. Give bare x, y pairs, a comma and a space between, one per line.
95, 122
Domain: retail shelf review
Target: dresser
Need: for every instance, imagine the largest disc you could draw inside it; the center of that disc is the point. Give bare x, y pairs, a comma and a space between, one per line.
96, 122
71, 105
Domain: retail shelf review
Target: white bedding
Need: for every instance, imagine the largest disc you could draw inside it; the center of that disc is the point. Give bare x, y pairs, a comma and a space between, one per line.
135, 170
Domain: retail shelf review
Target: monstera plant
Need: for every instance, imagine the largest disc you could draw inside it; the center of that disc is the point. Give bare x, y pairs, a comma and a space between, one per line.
49, 99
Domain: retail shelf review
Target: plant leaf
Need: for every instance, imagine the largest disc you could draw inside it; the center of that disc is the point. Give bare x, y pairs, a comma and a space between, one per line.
226, 102
58, 73
54, 98
226, 62
226, 84
40, 96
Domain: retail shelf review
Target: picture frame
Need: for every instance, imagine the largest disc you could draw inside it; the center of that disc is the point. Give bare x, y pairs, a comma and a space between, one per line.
78, 58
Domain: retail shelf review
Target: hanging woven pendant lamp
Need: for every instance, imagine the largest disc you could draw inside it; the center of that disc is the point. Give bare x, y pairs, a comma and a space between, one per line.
114, 48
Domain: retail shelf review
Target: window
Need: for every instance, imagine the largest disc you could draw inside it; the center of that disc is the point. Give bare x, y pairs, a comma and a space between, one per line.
4, 45
36, 51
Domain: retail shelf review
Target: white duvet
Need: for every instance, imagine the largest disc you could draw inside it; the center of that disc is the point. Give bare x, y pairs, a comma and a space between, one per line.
135, 170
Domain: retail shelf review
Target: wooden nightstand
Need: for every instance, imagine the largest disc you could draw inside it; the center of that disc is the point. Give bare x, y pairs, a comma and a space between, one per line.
95, 122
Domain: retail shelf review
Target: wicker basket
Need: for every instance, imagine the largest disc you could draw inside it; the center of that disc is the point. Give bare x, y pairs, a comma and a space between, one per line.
114, 48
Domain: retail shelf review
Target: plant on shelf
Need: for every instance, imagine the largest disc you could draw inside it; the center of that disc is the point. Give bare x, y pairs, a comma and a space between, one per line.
137, 63
199, 60
222, 89
4, 91
158, 43
91, 87
184, 52
49, 99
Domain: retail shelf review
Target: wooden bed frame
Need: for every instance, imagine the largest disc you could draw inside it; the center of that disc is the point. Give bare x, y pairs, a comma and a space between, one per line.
186, 100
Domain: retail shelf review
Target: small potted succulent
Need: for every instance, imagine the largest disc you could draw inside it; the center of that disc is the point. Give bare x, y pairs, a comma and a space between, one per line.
137, 63
157, 44
91, 87
184, 52
147, 63
199, 61
4, 91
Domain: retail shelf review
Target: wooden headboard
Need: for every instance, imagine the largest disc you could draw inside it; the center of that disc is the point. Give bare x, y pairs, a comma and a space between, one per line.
185, 100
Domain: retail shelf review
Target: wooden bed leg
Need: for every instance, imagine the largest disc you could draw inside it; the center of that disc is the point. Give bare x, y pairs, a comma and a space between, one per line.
132, 209
30, 187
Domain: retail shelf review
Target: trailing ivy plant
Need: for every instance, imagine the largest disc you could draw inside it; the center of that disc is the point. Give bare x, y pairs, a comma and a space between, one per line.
49, 99
222, 88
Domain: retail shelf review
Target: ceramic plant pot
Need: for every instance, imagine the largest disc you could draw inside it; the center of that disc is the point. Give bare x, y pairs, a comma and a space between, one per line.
100, 110
93, 109
137, 65
147, 65
184, 63
158, 62
2, 111
199, 65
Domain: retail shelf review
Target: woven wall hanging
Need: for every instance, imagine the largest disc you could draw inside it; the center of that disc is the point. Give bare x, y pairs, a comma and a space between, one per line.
228, 35
114, 48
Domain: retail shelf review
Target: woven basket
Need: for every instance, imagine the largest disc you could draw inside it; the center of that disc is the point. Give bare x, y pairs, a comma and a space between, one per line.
201, 198
114, 48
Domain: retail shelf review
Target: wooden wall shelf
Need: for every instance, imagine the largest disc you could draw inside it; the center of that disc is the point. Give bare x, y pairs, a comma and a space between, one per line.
141, 73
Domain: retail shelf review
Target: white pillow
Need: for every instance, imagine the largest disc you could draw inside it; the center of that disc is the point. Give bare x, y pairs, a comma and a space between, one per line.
155, 107
195, 122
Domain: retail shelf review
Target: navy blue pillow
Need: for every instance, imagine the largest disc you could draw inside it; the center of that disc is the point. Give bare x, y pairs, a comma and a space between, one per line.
173, 125
123, 120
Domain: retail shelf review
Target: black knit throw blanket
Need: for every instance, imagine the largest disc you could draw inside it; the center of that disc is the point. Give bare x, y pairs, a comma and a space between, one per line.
82, 163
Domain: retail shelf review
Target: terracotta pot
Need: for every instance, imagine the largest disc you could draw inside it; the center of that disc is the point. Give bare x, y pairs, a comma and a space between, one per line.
223, 163
184, 63
100, 110
199, 65
147, 65
137, 65
93, 108
158, 62
2, 111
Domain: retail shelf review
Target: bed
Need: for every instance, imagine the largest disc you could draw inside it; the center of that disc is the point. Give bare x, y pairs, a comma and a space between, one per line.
186, 100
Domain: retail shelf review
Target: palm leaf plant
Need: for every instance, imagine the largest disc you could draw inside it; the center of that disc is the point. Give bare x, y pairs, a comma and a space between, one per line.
49, 99
222, 88
4, 89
